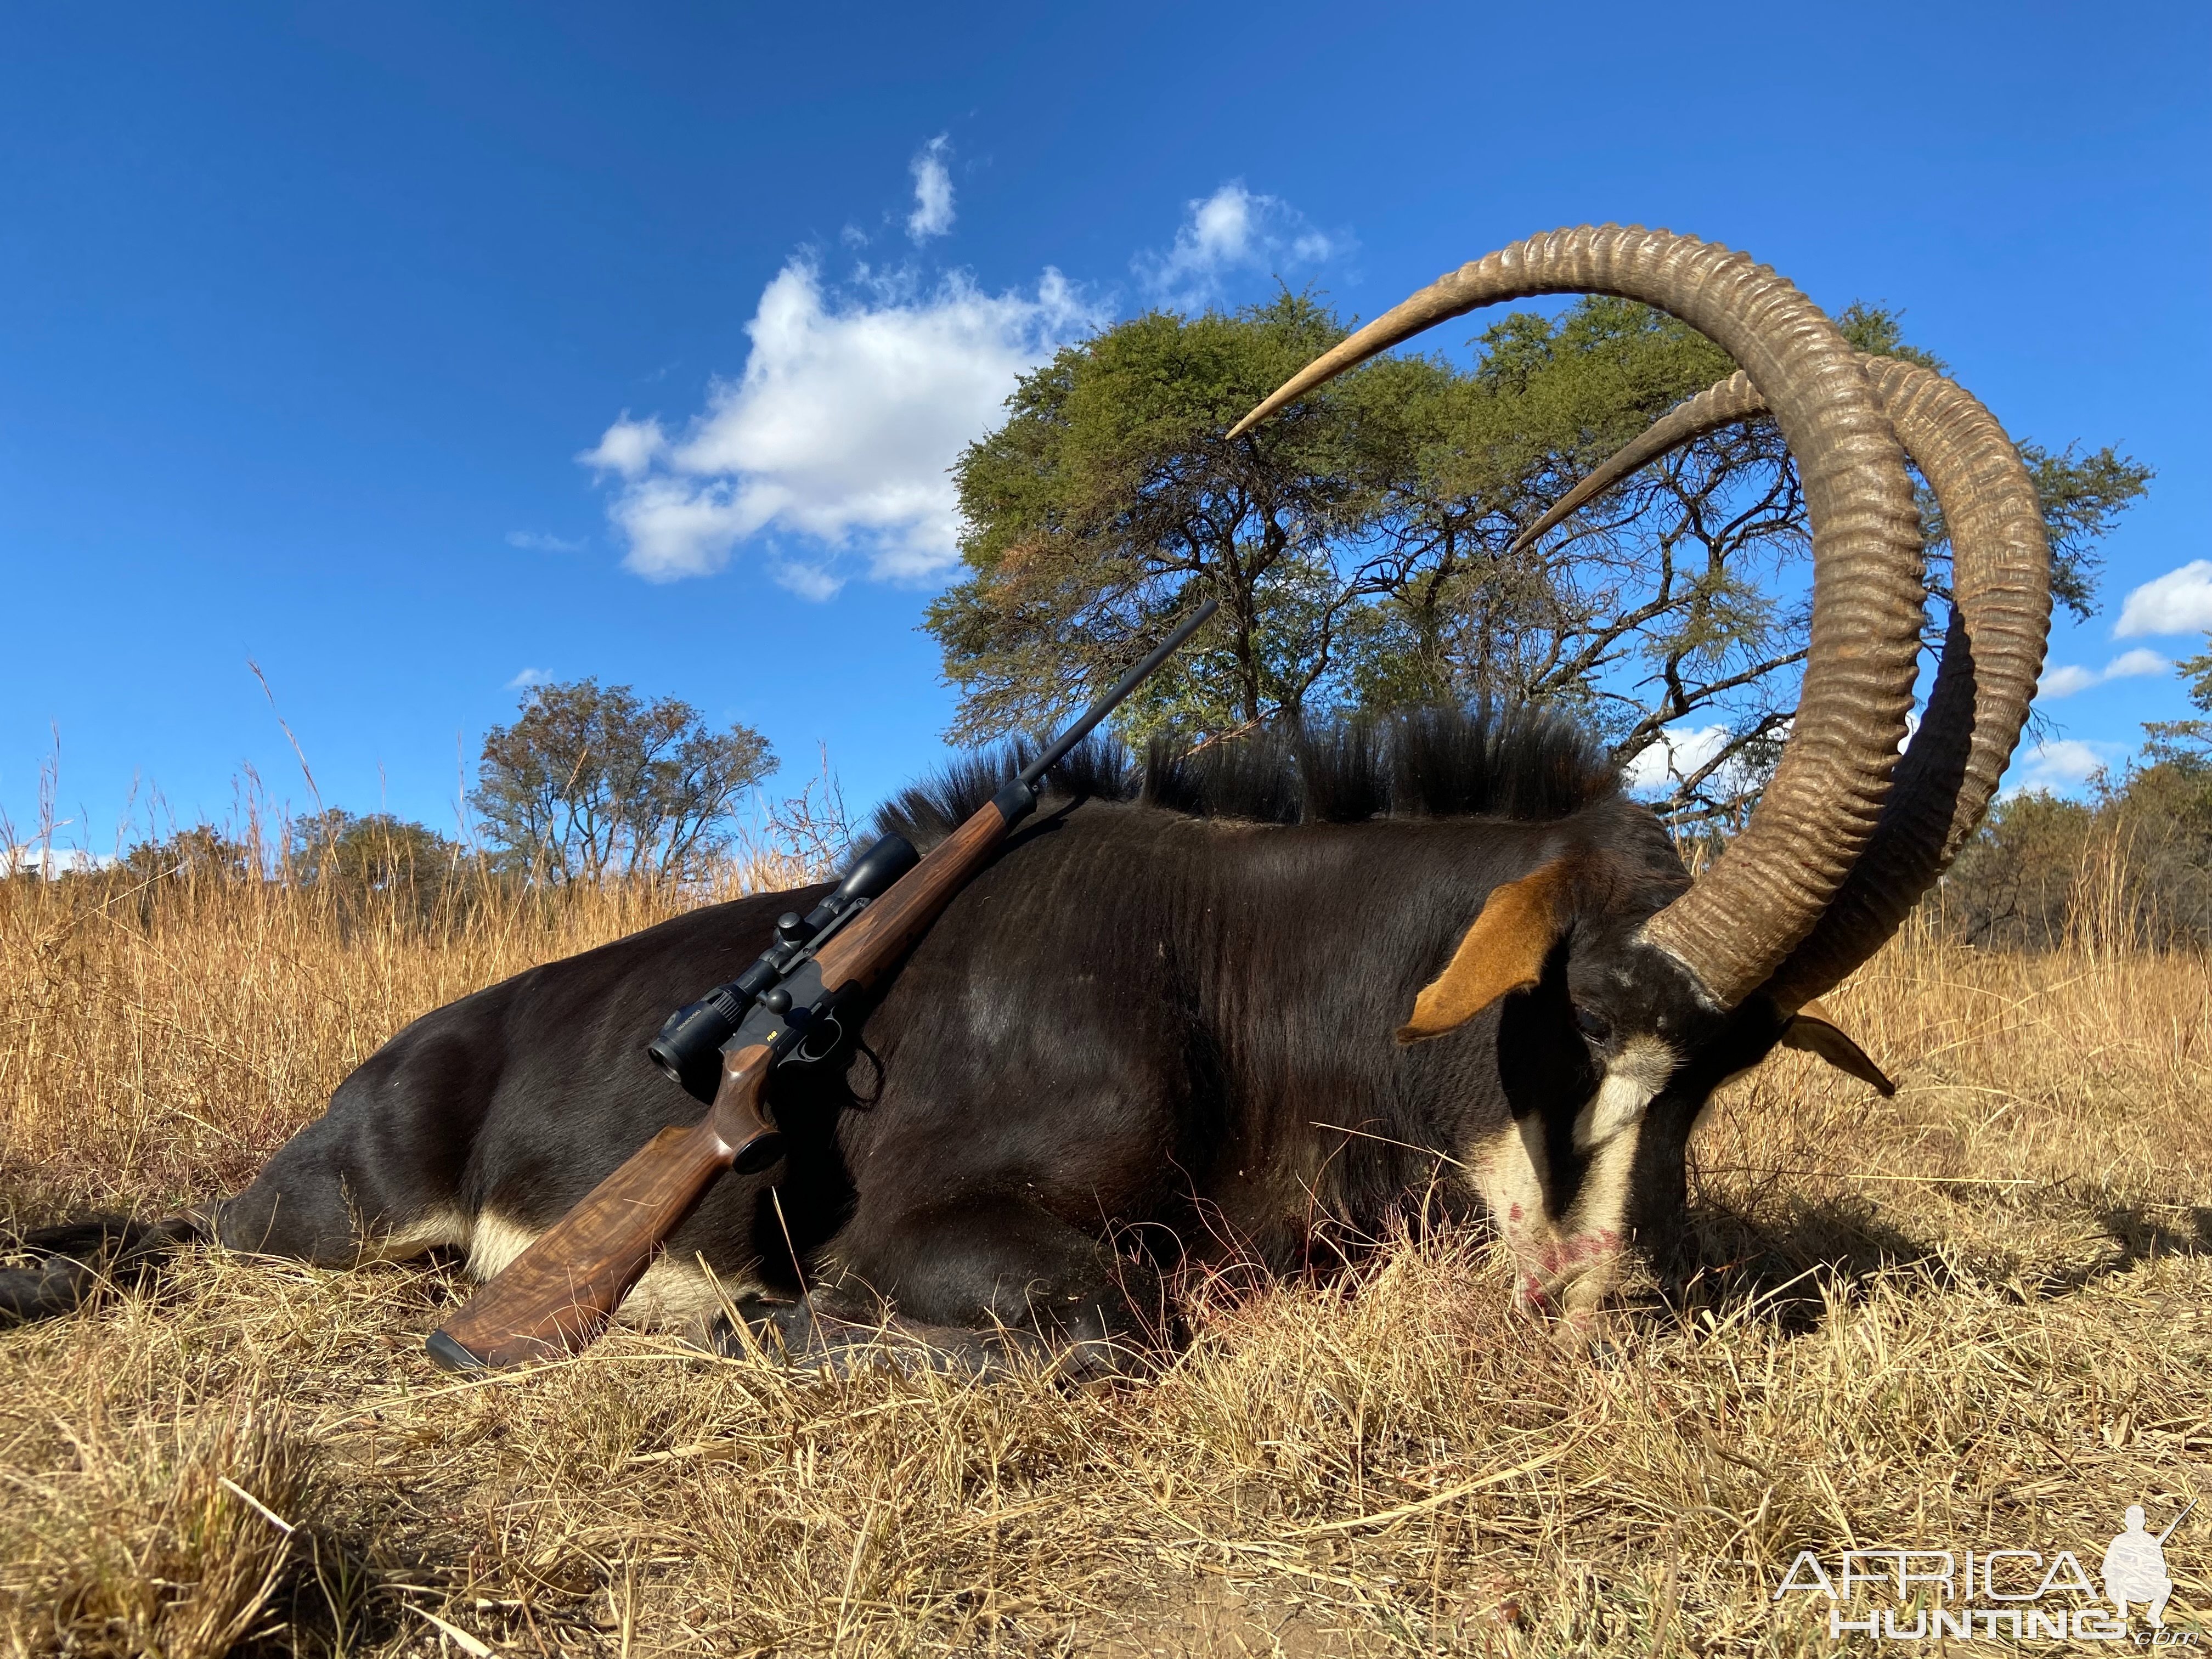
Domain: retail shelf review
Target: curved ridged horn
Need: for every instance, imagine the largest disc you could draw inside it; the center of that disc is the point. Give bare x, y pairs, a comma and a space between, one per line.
1992, 657
1733, 400
1733, 928
1992, 652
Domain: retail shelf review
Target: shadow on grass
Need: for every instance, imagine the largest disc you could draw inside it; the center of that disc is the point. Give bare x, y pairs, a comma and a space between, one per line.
1822, 1253
1789, 1272
2140, 1238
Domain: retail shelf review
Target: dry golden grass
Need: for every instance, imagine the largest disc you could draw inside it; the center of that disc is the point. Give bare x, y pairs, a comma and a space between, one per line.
1974, 1316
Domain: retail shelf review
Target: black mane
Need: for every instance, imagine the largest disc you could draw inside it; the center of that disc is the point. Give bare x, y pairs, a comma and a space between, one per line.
1440, 762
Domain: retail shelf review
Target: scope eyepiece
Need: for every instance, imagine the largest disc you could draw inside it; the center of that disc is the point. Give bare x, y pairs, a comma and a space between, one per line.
690, 1046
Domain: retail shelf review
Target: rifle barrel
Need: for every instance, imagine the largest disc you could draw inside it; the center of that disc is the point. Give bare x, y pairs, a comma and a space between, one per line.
1105, 705
2177, 1521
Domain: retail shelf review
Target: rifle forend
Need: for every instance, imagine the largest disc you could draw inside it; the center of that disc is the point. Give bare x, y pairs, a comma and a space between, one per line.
558, 1296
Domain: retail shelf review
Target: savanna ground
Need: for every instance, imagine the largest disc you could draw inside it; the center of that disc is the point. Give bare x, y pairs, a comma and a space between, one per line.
1975, 1316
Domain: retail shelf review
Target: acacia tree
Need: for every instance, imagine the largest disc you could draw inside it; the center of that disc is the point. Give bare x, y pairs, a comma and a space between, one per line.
591, 780
1362, 542
2187, 743
1462, 614
1667, 600
1109, 496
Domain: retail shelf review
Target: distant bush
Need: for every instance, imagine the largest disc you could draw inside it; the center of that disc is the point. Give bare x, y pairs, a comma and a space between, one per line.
2132, 865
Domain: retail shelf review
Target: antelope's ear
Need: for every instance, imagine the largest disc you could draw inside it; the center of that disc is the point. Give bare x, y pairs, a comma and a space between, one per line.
1812, 1029
1503, 952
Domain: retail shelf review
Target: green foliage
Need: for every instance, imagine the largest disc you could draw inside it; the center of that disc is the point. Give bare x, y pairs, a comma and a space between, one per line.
1880, 332
202, 852
1109, 491
1357, 540
2187, 742
591, 780
2083, 494
370, 853
2012, 885
1630, 614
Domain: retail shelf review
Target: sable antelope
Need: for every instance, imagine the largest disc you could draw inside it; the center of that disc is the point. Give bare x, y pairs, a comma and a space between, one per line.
1309, 977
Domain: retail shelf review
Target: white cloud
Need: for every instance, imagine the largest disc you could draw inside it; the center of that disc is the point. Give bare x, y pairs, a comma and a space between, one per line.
628, 447
809, 581
2064, 679
1678, 753
839, 431
2132, 665
538, 544
2180, 602
1234, 230
933, 191
2058, 764
529, 676
677, 527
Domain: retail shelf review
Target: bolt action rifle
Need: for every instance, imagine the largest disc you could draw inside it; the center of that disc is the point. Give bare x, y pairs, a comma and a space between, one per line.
558, 1296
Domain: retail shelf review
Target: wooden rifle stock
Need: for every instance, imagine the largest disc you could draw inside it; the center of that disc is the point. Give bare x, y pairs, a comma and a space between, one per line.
558, 1296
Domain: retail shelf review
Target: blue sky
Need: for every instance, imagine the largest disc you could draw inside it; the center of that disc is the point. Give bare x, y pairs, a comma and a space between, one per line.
307, 315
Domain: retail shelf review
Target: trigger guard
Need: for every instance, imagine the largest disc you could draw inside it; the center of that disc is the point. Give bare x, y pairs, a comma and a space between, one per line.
800, 1055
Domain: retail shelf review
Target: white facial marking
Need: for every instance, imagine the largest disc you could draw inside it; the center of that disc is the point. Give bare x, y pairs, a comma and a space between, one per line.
1568, 1265
1637, 1073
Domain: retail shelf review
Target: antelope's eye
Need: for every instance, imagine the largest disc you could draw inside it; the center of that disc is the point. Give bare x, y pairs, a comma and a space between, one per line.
1595, 1026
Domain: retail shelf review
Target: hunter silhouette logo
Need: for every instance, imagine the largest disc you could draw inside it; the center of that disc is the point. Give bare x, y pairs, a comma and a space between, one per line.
2135, 1567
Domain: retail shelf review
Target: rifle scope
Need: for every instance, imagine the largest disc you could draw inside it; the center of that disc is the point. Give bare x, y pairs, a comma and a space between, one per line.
690, 1046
